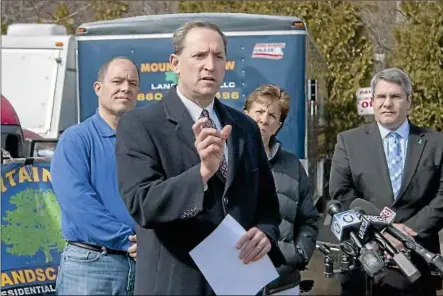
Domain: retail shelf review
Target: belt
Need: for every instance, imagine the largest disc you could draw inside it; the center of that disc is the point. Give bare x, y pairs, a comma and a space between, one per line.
97, 248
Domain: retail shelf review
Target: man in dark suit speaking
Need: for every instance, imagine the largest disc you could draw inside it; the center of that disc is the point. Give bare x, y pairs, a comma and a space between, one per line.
394, 163
186, 162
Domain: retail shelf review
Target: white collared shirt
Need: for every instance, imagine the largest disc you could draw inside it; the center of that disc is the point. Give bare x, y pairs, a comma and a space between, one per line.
195, 111
403, 131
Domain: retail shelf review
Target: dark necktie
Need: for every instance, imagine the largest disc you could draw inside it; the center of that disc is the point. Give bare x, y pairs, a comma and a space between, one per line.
211, 124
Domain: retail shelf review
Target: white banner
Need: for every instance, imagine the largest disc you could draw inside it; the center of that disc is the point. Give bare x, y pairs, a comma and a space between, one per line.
364, 102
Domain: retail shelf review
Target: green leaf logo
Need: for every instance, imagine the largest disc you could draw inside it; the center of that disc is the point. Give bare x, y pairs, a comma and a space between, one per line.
171, 77
33, 225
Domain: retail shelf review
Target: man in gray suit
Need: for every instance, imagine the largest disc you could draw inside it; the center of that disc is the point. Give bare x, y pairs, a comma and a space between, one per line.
393, 163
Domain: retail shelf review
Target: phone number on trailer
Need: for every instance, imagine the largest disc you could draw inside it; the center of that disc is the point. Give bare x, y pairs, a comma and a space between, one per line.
224, 95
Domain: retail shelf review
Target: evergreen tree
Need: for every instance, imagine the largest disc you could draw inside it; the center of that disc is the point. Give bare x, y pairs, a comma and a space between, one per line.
419, 52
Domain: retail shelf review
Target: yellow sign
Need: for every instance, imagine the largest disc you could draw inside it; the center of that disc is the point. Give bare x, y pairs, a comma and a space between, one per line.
34, 175
157, 96
166, 67
26, 276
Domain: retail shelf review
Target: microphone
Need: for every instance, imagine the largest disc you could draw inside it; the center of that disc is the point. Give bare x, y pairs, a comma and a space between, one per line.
409, 242
370, 260
405, 265
343, 223
388, 215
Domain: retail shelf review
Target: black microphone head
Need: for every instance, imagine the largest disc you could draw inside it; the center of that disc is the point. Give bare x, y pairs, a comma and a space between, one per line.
359, 210
366, 206
372, 263
334, 207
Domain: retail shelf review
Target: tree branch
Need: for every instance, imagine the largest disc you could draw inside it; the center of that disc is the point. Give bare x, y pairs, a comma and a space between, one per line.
78, 11
374, 34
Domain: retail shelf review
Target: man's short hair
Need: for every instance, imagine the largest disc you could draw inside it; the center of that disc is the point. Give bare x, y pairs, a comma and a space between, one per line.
179, 36
393, 75
104, 68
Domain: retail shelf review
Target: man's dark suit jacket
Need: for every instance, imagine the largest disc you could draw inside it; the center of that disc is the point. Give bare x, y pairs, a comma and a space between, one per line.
359, 170
160, 182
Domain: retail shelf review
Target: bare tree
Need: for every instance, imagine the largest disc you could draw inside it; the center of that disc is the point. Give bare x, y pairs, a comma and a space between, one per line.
20, 11
73, 12
380, 18
15, 11
152, 7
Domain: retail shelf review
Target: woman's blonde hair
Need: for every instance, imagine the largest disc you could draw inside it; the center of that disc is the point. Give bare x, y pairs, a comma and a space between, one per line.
268, 93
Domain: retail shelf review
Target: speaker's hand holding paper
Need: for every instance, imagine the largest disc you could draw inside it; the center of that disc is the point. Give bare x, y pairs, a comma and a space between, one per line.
254, 244
222, 255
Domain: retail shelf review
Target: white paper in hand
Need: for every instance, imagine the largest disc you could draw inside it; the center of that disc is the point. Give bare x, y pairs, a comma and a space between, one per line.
217, 258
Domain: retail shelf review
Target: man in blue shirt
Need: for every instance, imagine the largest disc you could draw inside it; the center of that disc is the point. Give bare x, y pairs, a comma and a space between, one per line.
99, 258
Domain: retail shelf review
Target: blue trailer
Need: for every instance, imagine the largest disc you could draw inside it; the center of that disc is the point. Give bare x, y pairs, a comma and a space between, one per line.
261, 49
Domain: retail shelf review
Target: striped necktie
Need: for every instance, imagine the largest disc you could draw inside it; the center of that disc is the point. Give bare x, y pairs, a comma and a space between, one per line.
211, 124
395, 162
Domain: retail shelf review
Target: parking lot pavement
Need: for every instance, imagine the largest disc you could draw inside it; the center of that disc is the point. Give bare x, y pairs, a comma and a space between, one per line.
322, 285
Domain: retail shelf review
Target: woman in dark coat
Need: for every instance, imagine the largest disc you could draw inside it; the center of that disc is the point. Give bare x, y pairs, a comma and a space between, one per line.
268, 105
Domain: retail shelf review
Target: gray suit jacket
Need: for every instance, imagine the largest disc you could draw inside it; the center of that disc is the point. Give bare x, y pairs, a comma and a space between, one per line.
359, 170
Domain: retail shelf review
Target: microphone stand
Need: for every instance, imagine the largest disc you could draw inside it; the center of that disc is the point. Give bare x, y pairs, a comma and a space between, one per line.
368, 285
348, 264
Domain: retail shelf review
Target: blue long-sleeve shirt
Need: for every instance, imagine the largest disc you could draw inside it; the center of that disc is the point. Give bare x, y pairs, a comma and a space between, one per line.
84, 180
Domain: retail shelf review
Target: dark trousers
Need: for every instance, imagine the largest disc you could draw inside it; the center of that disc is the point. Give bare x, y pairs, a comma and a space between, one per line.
393, 284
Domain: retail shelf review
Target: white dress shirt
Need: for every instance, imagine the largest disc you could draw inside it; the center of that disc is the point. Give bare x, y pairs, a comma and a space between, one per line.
195, 112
